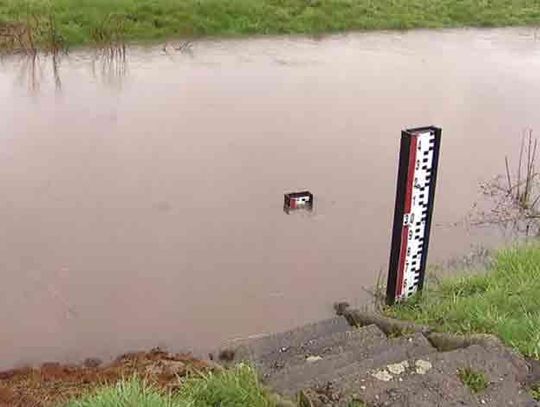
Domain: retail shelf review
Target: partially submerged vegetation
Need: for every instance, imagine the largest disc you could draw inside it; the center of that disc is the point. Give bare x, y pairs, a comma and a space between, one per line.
504, 301
515, 197
92, 21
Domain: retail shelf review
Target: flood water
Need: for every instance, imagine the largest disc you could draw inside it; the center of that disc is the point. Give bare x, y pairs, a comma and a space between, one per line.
141, 202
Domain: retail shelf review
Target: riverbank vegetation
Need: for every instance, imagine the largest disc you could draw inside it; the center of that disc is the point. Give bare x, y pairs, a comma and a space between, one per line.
75, 22
504, 301
145, 379
237, 387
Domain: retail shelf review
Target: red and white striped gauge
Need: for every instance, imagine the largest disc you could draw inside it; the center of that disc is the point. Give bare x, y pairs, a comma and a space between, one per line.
417, 175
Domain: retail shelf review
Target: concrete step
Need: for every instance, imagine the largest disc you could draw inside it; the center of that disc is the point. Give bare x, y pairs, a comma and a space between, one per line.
369, 350
319, 348
334, 364
441, 386
271, 346
393, 350
359, 343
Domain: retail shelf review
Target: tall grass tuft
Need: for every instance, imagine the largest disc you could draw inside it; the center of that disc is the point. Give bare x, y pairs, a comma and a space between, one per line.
127, 393
522, 189
238, 387
109, 36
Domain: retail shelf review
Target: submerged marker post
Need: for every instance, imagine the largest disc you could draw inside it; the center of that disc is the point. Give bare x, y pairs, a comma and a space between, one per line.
415, 193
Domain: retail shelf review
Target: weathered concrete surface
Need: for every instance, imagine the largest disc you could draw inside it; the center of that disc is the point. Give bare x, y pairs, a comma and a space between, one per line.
331, 363
440, 385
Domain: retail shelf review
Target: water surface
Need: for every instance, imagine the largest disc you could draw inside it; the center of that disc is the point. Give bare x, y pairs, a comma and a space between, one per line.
141, 202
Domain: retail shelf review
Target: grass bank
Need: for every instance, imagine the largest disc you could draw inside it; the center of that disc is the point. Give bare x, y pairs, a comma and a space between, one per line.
87, 21
504, 301
238, 387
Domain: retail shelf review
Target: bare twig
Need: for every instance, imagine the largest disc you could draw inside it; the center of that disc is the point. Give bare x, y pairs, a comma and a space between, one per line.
508, 174
515, 201
535, 201
523, 198
532, 173
519, 165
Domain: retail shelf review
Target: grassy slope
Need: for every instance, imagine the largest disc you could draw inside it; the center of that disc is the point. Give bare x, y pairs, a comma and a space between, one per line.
238, 387
505, 301
152, 19
126, 393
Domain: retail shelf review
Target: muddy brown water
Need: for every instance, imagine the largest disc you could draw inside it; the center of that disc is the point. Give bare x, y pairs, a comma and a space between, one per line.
141, 202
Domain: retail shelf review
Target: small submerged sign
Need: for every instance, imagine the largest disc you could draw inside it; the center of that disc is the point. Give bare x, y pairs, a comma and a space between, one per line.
298, 200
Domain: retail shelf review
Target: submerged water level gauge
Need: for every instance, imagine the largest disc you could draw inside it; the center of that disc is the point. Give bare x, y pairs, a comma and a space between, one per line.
417, 175
298, 200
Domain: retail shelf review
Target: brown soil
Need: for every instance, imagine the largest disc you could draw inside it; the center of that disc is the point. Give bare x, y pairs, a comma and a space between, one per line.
54, 383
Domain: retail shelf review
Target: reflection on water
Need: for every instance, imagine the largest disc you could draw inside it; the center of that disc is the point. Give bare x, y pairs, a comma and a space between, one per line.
142, 191
30, 72
108, 65
55, 60
112, 65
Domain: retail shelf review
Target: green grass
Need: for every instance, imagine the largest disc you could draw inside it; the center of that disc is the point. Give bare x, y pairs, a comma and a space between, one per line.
232, 388
127, 393
80, 21
476, 381
505, 301
535, 392
238, 387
